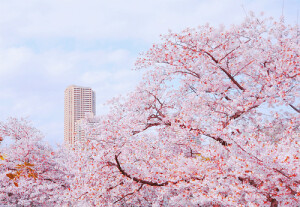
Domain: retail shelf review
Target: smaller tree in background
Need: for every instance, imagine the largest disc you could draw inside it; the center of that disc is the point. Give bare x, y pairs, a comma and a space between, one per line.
30, 173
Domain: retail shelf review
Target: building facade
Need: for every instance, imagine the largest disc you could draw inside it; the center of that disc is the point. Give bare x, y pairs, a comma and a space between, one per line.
86, 128
78, 102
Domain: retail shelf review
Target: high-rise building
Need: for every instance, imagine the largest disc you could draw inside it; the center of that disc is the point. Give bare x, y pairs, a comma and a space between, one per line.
78, 102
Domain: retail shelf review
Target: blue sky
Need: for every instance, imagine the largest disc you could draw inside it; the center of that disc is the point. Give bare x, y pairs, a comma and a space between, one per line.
47, 45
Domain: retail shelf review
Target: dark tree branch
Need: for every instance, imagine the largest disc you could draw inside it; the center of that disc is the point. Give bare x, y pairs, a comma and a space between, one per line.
189, 73
228, 53
218, 139
137, 179
112, 187
149, 125
293, 107
210, 55
129, 194
232, 79
239, 113
155, 184
228, 74
51, 180
250, 181
82, 195
274, 202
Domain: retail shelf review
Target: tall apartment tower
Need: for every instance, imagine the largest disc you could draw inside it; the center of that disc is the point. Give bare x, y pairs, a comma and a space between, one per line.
78, 102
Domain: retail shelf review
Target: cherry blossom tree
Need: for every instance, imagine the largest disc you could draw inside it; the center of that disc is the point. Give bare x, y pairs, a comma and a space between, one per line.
214, 122
31, 173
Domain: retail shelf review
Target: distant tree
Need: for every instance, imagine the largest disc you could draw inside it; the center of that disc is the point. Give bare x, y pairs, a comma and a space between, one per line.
31, 173
213, 123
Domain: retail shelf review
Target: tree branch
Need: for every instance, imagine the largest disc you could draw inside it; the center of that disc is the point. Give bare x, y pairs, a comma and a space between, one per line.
228, 74
129, 194
232, 79
62, 185
137, 179
293, 107
156, 184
